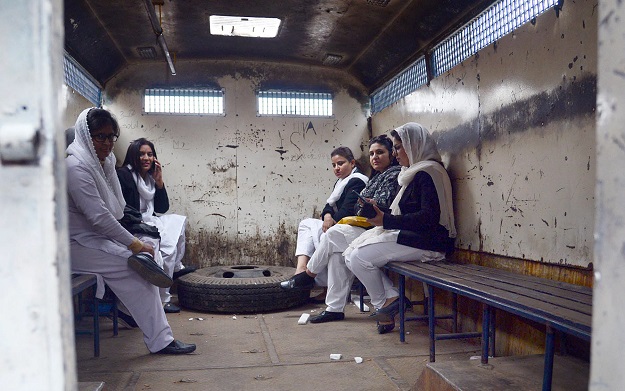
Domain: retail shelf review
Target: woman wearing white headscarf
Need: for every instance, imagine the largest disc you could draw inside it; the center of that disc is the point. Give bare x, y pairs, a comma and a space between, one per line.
99, 244
419, 227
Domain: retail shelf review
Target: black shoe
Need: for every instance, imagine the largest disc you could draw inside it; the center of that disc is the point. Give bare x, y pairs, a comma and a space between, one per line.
386, 313
182, 272
171, 308
177, 347
385, 328
327, 316
148, 269
126, 320
299, 281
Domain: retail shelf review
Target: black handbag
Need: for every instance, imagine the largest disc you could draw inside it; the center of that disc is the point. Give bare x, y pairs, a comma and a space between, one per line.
134, 224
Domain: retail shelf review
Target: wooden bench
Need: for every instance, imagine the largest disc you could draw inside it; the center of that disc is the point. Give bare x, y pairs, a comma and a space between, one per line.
560, 306
80, 282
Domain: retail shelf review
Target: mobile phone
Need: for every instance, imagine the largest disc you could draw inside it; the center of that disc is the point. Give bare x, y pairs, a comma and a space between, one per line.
361, 197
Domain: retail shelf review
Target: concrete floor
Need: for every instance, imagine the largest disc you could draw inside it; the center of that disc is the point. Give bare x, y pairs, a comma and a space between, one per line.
265, 352
272, 352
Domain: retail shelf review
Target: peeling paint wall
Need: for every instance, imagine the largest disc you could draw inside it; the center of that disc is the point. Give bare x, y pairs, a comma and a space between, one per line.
244, 181
516, 126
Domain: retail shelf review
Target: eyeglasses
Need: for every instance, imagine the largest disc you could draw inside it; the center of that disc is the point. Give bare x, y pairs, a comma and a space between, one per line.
101, 137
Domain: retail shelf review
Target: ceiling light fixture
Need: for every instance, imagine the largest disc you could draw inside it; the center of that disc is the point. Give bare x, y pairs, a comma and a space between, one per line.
243, 26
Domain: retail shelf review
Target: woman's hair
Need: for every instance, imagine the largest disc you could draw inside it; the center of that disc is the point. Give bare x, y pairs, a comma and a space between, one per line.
133, 155
343, 151
385, 141
395, 135
99, 118
347, 154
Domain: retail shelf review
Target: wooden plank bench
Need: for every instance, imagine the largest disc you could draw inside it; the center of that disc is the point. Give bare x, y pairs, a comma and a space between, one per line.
562, 307
80, 282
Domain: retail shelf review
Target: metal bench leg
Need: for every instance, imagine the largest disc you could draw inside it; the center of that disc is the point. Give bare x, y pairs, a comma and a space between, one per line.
96, 327
402, 315
431, 323
492, 332
485, 332
115, 319
362, 296
549, 350
454, 312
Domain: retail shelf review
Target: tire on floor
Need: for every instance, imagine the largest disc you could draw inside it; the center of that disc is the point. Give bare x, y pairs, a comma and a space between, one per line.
239, 289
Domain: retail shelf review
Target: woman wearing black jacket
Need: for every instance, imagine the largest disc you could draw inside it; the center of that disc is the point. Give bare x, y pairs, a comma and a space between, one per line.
340, 204
419, 227
141, 179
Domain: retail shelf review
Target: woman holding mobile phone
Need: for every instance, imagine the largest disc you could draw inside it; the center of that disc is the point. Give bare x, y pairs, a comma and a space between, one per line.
141, 179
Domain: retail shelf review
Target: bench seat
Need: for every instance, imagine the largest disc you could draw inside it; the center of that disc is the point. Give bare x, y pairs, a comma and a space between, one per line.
559, 306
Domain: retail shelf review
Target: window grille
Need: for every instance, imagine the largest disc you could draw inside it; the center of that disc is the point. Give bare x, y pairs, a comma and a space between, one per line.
498, 20
401, 85
309, 104
183, 101
81, 81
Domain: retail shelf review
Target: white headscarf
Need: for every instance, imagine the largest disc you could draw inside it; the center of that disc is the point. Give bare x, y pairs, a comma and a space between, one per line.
423, 156
339, 186
104, 175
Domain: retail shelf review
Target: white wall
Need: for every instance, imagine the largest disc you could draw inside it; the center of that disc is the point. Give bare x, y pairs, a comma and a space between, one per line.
244, 181
516, 126
36, 352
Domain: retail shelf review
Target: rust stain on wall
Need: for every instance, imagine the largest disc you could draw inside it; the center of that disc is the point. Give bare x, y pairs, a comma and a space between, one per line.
206, 248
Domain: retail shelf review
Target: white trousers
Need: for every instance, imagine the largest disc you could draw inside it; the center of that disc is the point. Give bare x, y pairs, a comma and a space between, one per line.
328, 259
309, 233
139, 296
365, 262
172, 247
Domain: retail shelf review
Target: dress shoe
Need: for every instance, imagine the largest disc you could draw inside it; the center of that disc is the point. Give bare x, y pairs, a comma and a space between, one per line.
184, 271
144, 264
177, 347
300, 281
171, 308
389, 312
384, 328
327, 316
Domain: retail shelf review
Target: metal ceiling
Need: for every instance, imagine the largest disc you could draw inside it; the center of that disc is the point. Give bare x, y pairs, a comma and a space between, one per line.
369, 39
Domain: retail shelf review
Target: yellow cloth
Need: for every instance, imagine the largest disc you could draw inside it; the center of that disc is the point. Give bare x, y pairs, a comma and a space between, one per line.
357, 221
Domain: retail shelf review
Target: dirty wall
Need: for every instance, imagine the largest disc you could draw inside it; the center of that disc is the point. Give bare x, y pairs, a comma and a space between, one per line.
244, 181
516, 128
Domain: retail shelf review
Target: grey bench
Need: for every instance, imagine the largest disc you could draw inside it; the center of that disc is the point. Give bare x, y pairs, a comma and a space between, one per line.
561, 307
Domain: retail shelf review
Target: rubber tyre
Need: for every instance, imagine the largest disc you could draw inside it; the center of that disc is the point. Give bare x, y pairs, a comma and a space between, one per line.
211, 290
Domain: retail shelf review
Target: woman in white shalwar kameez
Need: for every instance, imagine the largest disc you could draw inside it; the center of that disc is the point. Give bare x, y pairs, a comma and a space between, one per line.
141, 179
98, 243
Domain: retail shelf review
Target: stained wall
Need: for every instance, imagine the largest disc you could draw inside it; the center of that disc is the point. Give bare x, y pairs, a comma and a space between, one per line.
516, 127
244, 181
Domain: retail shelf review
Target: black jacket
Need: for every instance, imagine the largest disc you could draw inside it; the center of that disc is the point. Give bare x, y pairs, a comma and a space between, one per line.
131, 194
419, 222
345, 204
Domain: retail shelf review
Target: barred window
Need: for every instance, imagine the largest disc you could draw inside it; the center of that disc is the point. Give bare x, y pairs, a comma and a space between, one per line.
285, 103
498, 20
401, 85
81, 81
183, 101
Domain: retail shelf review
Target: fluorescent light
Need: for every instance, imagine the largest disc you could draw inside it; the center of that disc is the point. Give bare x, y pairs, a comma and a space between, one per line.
243, 26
